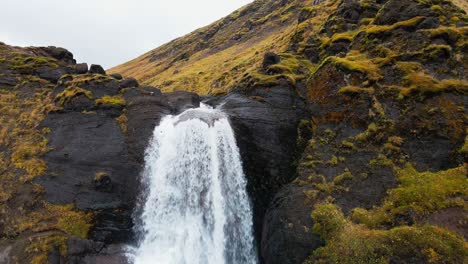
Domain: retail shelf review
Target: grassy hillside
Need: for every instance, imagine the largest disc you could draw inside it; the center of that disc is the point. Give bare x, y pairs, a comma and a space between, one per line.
213, 58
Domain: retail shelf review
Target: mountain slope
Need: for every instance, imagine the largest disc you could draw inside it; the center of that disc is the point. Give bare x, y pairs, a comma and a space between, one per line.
213, 58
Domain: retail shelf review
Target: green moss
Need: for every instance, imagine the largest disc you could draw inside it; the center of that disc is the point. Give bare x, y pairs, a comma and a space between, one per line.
426, 84
372, 128
464, 148
100, 175
292, 64
40, 247
348, 144
381, 161
26, 156
355, 90
379, 29
328, 220
64, 218
408, 67
111, 100
122, 120
420, 192
340, 179
333, 161
72, 222
356, 62
434, 51
71, 92
346, 242
450, 33
343, 36
26, 64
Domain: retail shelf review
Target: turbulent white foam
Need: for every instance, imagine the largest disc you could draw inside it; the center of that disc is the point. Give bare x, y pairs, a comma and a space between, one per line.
197, 210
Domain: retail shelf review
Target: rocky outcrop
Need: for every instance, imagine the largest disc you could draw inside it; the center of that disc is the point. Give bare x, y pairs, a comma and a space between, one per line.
265, 124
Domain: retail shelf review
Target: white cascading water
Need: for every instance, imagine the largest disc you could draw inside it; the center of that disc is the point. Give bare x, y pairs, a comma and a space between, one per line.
197, 210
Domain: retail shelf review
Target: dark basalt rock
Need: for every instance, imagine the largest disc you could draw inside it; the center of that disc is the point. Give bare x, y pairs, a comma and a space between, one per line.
265, 125
395, 10
8, 81
430, 22
182, 100
96, 69
81, 68
51, 74
287, 230
61, 54
117, 76
269, 59
127, 83
79, 103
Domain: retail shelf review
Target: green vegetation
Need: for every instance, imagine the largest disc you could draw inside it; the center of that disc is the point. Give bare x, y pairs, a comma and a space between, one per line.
357, 62
122, 122
346, 242
426, 84
71, 92
41, 246
419, 192
26, 64
379, 29
354, 90
111, 100
56, 217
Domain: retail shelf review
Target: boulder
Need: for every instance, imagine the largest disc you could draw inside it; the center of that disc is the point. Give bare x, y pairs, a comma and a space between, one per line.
127, 83
61, 54
182, 100
50, 73
117, 76
81, 68
96, 69
269, 59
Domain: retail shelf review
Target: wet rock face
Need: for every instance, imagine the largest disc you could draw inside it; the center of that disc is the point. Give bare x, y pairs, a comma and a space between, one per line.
264, 123
85, 145
287, 230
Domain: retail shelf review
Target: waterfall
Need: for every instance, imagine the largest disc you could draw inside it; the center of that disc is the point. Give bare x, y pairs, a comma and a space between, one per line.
197, 210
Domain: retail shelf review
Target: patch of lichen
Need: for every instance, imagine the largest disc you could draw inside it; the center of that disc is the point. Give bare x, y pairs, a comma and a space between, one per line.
421, 193
346, 242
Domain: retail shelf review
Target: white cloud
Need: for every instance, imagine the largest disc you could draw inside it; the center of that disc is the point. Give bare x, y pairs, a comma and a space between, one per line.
107, 32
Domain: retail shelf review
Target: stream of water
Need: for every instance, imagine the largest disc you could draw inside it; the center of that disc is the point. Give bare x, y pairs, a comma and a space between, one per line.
197, 210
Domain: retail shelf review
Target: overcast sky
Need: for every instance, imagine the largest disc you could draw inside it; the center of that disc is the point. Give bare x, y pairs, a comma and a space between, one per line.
106, 32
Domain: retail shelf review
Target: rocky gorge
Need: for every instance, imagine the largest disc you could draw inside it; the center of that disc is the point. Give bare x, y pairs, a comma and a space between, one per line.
352, 135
